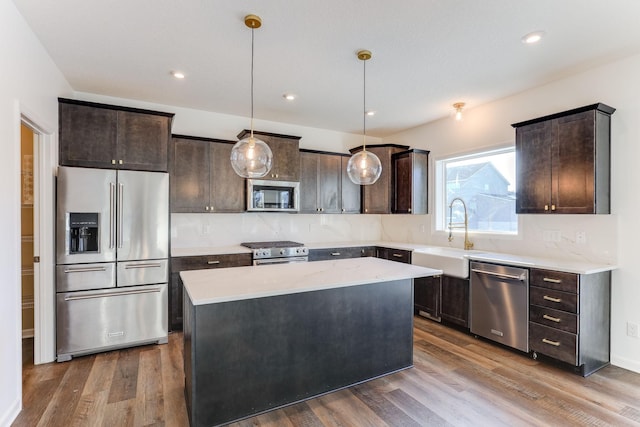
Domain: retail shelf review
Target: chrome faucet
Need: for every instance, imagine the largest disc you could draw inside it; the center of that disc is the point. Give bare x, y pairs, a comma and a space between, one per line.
467, 243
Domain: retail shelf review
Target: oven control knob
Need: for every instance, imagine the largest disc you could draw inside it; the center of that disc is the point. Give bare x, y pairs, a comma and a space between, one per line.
282, 252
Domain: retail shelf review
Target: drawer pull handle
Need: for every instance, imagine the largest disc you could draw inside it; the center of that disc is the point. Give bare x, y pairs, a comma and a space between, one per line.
149, 265
553, 319
550, 280
84, 270
553, 343
335, 253
552, 299
397, 255
213, 262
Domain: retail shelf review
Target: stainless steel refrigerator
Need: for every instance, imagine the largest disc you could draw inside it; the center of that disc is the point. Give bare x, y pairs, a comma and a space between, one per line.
112, 248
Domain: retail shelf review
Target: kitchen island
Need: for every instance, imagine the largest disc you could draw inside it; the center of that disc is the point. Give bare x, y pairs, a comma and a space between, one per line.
259, 338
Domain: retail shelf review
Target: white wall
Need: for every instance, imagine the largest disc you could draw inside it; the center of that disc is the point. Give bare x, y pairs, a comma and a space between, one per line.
30, 85
610, 238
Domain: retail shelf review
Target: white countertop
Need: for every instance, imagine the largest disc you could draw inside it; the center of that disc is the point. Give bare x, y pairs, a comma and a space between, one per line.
568, 266
239, 283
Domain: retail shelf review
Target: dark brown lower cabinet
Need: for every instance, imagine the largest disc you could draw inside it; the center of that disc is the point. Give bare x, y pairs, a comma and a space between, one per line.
455, 300
399, 255
341, 253
204, 262
426, 296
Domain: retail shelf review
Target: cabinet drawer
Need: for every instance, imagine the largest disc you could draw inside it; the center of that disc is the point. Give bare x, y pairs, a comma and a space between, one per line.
566, 282
554, 343
557, 319
210, 261
399, 255
339, 253
553, 299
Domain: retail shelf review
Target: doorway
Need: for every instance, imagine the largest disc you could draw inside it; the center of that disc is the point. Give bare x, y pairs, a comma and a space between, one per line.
29, 237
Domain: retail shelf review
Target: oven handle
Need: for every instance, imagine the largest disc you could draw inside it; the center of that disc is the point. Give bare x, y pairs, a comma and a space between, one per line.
288, 260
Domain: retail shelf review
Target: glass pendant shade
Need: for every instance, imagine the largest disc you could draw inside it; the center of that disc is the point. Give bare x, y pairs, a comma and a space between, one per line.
251, 157
364, 168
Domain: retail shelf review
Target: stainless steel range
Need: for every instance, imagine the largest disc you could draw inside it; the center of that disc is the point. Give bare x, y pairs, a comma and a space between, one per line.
279, 252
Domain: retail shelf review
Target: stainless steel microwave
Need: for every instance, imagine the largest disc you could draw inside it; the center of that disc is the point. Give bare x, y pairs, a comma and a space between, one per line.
273, 196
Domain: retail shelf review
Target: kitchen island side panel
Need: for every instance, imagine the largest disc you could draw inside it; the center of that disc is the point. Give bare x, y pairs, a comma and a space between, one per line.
254, 355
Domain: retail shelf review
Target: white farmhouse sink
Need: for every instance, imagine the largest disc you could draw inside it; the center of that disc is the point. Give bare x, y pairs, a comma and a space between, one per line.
452, 261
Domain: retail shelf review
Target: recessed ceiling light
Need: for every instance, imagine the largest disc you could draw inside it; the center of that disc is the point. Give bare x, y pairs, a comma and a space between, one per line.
532, 37
289, 96
178, 74
371, 113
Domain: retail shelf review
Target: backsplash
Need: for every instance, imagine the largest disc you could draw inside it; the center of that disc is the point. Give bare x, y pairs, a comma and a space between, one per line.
204, 230
600, 232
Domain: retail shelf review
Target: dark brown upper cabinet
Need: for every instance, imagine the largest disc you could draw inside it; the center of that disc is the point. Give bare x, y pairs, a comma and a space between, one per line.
323, 188
410, 175
563, 162
377, 198
202, 179
286, 156
112, 137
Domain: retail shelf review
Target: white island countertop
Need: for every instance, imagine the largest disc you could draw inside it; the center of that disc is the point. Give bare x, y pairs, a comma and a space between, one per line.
240, 283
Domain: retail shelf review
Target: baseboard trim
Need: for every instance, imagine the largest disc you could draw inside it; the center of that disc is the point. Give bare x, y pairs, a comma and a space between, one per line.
622, 362
12, 413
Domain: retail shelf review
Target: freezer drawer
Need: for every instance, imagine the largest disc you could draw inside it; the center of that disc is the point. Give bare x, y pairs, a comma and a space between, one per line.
84, 277
93, 321
134, 273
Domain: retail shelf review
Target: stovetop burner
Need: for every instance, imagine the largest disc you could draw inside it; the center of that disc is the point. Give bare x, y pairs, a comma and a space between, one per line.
276, 244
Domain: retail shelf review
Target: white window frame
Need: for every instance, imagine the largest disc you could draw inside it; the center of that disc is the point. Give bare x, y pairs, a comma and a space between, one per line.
440, 206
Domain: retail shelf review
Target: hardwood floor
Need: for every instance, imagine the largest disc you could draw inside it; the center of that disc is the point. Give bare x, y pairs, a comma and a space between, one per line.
457, 380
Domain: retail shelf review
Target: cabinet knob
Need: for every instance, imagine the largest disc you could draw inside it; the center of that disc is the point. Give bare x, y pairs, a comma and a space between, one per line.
546, 207
120, 161
553, 207
409, 210
113, 161
321, 209
211, 208
206, 208
343, 209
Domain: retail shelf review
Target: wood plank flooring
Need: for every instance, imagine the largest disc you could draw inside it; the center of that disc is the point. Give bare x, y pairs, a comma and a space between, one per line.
457, 380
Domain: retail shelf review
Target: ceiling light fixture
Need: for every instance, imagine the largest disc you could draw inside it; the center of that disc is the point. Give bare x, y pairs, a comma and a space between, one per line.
289, 96
251, 157
532, 37
364, 167
371, 113
178, 75
459, 106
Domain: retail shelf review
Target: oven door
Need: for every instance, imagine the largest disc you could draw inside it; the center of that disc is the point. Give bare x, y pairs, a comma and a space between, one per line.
286, 260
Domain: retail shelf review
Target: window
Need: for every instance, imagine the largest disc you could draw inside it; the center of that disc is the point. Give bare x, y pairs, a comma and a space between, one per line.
486, 183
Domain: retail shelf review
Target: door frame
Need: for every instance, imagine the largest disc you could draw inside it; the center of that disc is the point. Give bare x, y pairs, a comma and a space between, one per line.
45, 164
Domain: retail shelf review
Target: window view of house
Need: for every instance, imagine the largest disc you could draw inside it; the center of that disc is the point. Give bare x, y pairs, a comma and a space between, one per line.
486, 183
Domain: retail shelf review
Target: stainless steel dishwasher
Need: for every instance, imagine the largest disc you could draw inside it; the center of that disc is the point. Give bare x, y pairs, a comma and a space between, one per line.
499, 308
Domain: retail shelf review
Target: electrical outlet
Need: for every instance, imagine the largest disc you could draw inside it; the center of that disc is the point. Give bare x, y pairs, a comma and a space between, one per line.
632, 329
581, 237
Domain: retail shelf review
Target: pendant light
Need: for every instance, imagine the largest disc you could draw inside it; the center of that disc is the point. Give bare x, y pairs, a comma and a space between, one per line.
364, 167
251, 157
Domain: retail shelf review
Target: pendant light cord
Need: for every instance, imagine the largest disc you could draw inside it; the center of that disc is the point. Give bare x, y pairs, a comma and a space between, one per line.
252, 31
364, 105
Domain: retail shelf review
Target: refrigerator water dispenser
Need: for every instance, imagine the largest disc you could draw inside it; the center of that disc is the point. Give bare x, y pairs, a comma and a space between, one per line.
83, 232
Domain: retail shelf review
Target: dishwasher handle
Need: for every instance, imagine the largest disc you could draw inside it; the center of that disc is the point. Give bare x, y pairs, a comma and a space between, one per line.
522, 277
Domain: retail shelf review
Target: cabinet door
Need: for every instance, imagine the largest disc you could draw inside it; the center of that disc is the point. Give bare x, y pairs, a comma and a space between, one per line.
402, 165
376, 198
308, 182
227, 187
573, 164
143, 141
426, 296
190, 182
87, 136
455, 300
329, 177
533, 166
350, 192
175, 302
286, 158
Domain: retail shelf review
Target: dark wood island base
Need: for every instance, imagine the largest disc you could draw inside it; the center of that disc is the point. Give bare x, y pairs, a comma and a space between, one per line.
249, 356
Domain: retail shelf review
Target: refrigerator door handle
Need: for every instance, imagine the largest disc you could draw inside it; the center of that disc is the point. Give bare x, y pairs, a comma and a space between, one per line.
111, 294
119, 219
112, 215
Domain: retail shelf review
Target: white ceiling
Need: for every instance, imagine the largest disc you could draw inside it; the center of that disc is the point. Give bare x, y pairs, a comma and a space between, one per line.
427, 54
